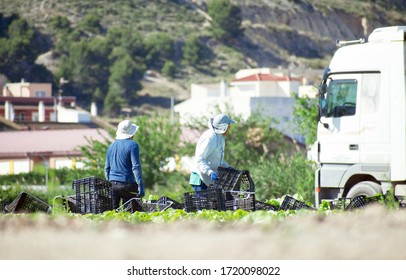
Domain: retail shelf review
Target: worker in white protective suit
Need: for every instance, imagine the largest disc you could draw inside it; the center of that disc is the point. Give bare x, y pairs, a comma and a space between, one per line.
209, 154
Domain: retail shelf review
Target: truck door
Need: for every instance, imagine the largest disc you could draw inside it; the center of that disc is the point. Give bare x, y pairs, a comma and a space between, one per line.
338, 129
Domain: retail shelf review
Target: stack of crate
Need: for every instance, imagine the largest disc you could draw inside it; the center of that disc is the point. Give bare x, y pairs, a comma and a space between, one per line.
93, 195
233, 190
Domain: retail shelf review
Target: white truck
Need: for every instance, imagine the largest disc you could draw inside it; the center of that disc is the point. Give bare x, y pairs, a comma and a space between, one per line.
361, 134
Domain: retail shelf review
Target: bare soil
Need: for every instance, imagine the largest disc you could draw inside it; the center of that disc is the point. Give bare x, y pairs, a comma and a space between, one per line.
373, 233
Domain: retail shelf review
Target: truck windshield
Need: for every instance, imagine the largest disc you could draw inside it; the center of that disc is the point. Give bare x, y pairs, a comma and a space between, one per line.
341, 98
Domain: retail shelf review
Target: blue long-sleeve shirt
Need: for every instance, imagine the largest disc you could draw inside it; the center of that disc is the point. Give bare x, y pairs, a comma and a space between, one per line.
123, 162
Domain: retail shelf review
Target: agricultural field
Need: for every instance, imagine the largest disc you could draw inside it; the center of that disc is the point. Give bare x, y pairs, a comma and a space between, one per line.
371, 233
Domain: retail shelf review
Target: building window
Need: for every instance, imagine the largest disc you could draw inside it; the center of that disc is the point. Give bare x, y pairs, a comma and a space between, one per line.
39, 93
34, 116
20, 117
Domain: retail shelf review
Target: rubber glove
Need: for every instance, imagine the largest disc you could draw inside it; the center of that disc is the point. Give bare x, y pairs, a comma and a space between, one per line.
214, 176
141, 192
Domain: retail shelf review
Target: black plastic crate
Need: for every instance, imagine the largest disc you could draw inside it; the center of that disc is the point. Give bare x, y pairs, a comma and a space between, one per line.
291, 203
357, 202
71, 203
137, 205
235, 200
133, 205
93, 195
26, 203
234, 180
211, 199
65, 203
155, 206
259, 205
361, 201
339, 203
174, 203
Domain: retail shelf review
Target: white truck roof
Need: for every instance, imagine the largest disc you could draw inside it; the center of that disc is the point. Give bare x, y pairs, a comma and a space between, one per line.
383, 44
388, 34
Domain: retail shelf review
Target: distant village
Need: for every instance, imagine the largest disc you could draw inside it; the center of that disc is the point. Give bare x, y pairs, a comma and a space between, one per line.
38, 126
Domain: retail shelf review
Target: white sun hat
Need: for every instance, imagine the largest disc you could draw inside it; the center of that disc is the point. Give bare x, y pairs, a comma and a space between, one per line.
126, 129
220, 123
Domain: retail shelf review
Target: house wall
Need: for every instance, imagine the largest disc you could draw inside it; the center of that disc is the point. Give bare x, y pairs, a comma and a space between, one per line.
248, 72
268, 89
30, 113
288, 87
66, 115
241, 105
280, 109
70, 163
243, 90
211, 90
308, 91
16, 166
265, 88
25, 165
28, 89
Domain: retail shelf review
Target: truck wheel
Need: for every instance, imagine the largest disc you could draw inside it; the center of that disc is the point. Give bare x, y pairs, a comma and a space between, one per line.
366, 188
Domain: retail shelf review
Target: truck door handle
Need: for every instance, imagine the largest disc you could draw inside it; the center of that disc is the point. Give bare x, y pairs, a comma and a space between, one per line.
353, 147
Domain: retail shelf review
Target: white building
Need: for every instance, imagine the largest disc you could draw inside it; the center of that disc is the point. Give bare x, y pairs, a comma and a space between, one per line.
253, 91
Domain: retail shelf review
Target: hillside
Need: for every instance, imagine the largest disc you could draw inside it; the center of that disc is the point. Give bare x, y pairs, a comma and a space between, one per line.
293, 34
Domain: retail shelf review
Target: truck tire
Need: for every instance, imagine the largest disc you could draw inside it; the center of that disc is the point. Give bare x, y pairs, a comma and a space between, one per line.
366, 188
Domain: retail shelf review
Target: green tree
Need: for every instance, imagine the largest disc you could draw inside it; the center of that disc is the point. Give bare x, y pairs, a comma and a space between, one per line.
226, 19
305, 117
91, 23
128, 40
18, 49
192, 50
124, 83
159, 46
169, 69
114, 101
59, 24
277, 167
86, 66
284, 174
94, 154
158, 140
252, 141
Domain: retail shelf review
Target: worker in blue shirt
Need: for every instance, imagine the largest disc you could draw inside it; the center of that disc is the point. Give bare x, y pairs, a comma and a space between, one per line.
209, 154
123, 166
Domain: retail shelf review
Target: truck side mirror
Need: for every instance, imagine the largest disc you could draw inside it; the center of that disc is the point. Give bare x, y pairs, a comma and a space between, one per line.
326, 71
322, 95
323, 88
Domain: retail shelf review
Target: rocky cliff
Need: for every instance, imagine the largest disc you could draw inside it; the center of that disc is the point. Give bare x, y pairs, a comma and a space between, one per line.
294, 32
290, 34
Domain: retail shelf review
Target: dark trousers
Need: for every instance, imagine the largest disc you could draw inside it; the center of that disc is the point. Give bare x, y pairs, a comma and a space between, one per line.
123, 191
200, 187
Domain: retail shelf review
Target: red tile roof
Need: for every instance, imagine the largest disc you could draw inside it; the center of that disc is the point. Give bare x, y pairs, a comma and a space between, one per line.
49, 142
265, 77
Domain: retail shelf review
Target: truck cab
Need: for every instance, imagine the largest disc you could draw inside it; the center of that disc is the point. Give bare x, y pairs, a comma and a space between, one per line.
361, 133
